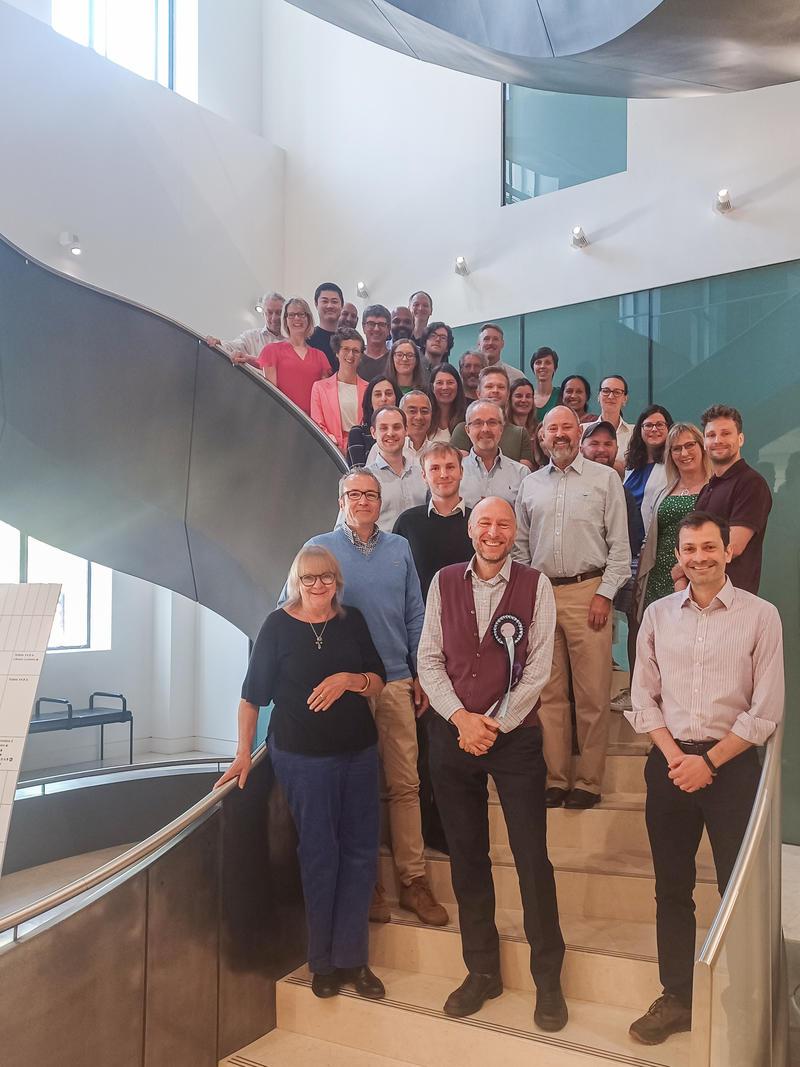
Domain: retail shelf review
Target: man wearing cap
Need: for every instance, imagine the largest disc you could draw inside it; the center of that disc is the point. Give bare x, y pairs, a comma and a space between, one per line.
572, 525
487, 723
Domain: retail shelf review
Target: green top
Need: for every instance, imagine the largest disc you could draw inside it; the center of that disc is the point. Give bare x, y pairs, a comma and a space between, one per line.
670, 512
551, 403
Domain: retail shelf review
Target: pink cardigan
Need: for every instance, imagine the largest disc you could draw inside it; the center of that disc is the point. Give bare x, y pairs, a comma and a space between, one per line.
325, 408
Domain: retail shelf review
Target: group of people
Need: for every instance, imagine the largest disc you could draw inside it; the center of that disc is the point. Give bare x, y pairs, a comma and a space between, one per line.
460, 611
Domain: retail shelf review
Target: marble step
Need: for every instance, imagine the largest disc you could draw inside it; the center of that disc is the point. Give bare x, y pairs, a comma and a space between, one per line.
282, 1048
589, 886
409, 1025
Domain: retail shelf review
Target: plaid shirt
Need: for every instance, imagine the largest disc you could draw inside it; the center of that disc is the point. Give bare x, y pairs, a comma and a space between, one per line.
364, 547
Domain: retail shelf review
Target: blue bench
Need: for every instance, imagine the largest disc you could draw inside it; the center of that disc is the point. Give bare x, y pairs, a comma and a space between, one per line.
74, 718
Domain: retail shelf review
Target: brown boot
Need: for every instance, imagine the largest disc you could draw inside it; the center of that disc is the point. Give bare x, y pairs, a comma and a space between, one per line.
418, 898
379, 906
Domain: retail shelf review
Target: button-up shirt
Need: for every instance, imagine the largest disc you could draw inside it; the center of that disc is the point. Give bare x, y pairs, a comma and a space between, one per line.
487, 595
705, 672
503, 479
399, 492
251, 342
573, 521
364, 547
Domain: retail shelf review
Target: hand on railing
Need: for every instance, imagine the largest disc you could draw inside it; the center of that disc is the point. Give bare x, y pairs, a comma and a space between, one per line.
239, 768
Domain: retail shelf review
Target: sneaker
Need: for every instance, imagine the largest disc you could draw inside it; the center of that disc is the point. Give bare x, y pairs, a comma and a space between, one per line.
379, 911
622, 701
418, 898
666, 1016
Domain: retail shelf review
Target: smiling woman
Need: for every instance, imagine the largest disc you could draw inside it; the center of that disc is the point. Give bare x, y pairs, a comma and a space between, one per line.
336, 402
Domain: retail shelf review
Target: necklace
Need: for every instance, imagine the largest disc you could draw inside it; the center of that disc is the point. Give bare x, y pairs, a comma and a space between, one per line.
318, 636
688, 492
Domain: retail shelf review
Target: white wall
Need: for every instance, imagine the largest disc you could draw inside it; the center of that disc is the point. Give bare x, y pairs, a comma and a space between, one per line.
230, 60
175, 207
393, 169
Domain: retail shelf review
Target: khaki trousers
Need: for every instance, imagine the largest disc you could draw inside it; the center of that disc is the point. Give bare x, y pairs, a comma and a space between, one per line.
397, 745
588, 653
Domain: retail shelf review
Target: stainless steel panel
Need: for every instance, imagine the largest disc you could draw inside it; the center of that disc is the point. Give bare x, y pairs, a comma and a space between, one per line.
73, 994
182, 942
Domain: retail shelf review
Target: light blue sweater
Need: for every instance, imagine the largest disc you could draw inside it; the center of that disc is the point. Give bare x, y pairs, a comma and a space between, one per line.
385, 588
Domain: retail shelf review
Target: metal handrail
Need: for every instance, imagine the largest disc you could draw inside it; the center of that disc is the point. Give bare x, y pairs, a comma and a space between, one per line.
122, 768
766, 796
125, 860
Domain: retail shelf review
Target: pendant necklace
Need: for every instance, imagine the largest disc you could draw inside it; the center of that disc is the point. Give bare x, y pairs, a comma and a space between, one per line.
318, 636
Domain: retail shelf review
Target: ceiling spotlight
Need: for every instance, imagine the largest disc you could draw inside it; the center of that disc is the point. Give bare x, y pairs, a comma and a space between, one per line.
722, 201
258, 307
577, 238
461, 266
71, 241
361, 289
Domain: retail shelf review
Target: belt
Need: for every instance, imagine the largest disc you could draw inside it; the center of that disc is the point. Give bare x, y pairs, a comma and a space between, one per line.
695, 748
596, 573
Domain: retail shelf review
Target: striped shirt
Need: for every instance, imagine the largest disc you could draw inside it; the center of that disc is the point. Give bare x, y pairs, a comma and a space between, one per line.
705, 672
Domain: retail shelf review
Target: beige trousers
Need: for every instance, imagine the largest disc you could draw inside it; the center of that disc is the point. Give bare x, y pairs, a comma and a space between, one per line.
397, 745
588, 653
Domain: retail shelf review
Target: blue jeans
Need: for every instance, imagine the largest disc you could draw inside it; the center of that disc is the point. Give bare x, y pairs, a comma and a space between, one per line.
334, 802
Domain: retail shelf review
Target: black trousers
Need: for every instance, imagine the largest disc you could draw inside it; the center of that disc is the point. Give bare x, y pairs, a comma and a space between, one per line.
675, 822
516, 764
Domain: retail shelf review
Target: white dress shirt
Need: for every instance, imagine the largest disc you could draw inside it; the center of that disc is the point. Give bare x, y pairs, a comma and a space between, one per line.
487, 595
251, 342
399, 492
705, 672
573, 521
503, 479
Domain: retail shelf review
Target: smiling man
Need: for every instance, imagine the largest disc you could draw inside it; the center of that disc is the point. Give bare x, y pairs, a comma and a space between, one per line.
499, 615
402, 484
251, 342
491, 342
487, 470
708, 688
329, 301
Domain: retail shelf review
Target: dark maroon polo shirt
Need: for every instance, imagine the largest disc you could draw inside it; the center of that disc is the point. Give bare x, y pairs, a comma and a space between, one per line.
742, 497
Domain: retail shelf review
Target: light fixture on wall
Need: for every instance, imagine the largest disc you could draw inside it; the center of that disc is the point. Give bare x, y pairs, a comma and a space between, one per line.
70, 240
461, 266
361, 290
258, 307
577, 238
722, 201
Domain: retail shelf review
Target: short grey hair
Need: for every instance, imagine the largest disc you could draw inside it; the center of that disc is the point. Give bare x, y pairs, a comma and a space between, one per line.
265, 299
477, 403
473, 352
358, 470
413, 392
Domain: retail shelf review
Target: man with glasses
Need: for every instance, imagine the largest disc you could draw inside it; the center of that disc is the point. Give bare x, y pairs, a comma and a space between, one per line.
613, 396
380, 579
329, 301
436, 345
487, 471
375, 320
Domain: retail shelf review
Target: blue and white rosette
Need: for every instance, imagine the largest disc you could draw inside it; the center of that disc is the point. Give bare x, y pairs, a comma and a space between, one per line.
507, 631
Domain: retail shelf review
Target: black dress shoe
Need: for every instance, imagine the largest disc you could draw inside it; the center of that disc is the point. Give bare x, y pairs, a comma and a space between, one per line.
555, 796
472, 994
551, 1010
365, 983
325, 985
581, 798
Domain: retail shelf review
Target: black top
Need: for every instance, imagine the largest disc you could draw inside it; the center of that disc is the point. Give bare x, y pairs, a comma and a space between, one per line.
321, 339
436, 541
359, 444
286, 665
742, 497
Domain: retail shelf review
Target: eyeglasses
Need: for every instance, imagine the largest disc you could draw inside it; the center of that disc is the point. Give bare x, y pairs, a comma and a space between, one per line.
354, 495
611, 392
296, 315
438, 337
404, 355
380, 324
677, 449
491, 424
309, 580
654, 426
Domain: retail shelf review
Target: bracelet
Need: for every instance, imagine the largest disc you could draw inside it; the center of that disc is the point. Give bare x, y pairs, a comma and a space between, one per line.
366, 683
714, 770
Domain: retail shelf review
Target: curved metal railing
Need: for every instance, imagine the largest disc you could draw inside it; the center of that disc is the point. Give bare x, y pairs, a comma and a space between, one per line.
124, 861
122, 769
747, 923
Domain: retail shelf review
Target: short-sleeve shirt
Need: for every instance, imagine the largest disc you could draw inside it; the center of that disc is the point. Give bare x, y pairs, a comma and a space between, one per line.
295, 376
742, 497
286, 665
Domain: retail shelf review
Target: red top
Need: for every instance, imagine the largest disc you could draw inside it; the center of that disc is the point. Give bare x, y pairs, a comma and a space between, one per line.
295, 376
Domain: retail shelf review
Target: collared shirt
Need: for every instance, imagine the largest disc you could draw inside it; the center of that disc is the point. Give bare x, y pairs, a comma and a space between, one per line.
705, 672
410, 454
573, 521
251, 343
364, 547
503, 479
742, 496
399, 492
460, 507
624, 431
487, 595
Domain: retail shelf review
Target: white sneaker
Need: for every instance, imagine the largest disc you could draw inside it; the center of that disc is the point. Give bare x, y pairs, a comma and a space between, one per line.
622, 701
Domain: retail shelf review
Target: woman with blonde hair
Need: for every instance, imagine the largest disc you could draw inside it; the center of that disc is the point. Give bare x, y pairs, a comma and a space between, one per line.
292, 366
315, 661
687, 469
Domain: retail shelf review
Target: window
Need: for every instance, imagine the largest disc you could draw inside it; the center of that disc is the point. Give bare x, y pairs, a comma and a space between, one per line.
156, 39
83, 615
554, 140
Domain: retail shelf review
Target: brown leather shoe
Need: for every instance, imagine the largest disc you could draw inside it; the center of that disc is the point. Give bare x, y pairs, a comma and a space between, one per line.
379, 906
418, 898
666, 1016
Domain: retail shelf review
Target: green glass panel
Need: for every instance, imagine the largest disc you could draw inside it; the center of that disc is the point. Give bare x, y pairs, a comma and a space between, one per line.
466, 337
555, 140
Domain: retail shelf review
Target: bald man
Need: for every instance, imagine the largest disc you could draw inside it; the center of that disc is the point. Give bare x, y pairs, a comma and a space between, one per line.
483, 727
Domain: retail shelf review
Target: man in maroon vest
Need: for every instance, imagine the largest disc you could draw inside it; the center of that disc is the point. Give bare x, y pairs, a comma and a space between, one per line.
484, 657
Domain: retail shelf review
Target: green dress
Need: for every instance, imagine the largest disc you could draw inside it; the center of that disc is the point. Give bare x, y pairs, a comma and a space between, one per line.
670, 512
